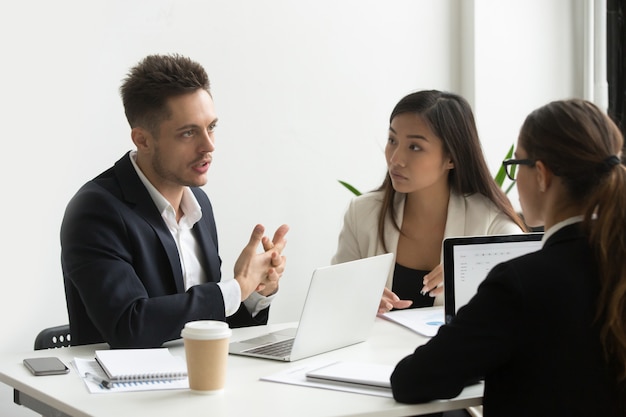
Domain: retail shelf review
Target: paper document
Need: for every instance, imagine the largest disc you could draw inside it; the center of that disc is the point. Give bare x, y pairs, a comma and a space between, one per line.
425, 321
83, 366
297, 376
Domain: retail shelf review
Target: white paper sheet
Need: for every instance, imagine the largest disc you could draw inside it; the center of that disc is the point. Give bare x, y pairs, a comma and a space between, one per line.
425, 321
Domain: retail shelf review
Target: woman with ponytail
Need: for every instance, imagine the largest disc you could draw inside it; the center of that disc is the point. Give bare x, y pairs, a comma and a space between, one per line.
546, 331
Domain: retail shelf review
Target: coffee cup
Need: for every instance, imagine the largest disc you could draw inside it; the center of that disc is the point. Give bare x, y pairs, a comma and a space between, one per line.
206, 350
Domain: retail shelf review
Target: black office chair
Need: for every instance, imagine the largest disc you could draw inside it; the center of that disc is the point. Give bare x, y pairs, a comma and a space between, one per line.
53, 337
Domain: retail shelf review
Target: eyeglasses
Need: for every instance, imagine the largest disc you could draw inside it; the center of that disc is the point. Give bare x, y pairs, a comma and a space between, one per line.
510, 166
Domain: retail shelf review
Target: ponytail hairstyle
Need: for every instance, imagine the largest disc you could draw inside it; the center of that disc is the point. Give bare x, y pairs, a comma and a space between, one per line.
450, 117
581, 145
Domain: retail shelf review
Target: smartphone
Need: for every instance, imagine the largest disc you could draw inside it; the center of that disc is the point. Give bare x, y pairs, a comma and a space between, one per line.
46, 366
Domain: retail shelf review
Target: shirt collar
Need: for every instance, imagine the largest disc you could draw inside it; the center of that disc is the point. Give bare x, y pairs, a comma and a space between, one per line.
555, 228
189, 204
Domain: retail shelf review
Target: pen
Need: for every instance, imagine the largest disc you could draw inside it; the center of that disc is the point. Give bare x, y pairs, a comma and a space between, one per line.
105, 383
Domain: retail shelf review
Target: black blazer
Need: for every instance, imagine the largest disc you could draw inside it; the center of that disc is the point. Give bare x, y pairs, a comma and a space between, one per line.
122, 273
530, 333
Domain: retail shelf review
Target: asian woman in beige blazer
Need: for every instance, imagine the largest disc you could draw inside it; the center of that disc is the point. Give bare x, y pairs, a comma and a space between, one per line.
437, 185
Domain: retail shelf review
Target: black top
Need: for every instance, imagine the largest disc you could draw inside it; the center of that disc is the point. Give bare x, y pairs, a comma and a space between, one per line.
407, 284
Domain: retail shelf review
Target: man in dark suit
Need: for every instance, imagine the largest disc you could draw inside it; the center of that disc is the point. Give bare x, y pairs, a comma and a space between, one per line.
139, 242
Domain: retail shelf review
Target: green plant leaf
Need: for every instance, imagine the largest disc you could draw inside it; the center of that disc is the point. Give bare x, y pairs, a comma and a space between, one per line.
350, 187
501, 175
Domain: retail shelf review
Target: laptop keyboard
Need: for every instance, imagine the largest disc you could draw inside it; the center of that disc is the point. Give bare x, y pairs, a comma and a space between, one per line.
280, 349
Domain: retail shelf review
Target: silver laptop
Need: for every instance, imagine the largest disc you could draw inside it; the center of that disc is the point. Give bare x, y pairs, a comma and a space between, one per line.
467, 261
339, 310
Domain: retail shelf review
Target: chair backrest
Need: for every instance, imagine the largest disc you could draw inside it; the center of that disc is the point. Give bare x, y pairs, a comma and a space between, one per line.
53, 337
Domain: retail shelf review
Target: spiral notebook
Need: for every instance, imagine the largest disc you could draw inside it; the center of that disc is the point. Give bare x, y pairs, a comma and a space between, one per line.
84, 366
129, 365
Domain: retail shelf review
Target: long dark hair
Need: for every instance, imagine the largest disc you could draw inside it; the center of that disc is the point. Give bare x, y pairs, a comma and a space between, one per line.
580, 144
451, 119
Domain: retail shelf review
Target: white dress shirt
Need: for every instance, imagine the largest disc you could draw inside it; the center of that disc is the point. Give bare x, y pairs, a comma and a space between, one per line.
189, 251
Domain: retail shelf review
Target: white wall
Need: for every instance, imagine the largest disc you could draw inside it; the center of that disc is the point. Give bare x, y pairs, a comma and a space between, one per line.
525, 55
303, 91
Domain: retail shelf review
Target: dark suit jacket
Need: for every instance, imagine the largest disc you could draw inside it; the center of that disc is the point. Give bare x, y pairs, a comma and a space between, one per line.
122, 273
530, 333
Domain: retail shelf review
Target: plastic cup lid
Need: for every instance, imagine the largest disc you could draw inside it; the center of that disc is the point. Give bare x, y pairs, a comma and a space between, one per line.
206, 330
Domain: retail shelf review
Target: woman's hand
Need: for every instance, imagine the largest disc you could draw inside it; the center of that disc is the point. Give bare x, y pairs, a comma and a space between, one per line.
433, 282
390, 300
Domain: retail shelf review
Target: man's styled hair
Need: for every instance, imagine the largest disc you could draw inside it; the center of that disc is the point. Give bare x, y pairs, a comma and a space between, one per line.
149, 84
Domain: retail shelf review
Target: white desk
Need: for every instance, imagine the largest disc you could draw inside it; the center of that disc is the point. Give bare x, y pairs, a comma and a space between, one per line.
244, 395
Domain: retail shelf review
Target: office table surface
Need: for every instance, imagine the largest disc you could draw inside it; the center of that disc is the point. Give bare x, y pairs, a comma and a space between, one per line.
244, 394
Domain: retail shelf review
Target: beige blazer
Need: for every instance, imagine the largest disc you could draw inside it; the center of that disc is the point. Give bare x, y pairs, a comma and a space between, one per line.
469, 215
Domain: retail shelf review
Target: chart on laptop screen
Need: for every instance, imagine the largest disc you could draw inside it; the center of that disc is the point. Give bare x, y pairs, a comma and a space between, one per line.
472, 263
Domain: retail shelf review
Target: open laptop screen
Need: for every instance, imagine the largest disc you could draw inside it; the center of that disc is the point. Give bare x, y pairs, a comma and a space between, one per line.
467, 261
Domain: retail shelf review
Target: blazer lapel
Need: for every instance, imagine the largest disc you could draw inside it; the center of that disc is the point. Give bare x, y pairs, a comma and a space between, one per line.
391, 233
211, 259
206, 236
455, 223
136, 195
